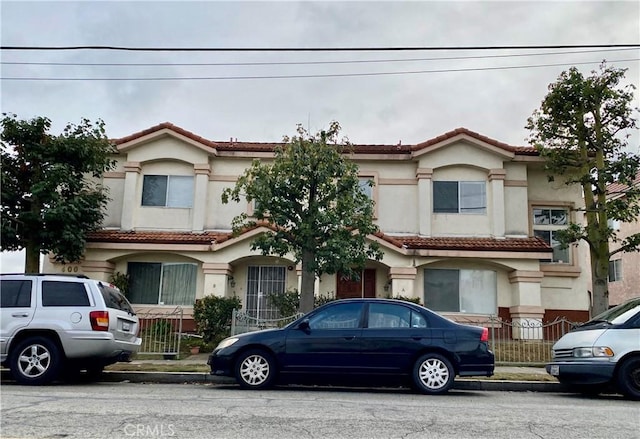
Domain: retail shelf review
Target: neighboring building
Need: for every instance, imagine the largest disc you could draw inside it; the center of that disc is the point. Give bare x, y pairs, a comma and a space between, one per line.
466, 225
624, 268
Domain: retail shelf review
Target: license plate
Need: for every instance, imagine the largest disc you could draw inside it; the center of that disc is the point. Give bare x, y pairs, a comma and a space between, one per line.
554, 370
126, 326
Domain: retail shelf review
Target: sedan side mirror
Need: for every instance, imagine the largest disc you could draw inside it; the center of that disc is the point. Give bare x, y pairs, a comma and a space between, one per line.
304, 325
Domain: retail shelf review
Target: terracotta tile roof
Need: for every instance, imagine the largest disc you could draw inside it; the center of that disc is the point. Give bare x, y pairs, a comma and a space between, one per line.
117, 236
410, 242
618, 188
476, 244
357, 149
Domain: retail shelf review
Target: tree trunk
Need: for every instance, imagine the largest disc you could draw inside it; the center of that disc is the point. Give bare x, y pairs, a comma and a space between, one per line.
308, 282
31, 258
599, 282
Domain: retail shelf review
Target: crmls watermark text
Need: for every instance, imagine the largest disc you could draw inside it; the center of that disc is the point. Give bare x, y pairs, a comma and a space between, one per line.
149, 430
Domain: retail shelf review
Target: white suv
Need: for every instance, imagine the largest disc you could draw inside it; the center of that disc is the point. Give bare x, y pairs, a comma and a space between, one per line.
51, 324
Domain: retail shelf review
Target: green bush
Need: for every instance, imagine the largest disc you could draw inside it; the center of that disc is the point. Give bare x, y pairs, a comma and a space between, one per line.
212, 315
415, 300
287, 302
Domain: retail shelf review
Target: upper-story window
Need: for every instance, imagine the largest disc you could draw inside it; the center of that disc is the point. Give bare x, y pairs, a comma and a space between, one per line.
365, 186
167, 190
546, 223
615, 270
460, 197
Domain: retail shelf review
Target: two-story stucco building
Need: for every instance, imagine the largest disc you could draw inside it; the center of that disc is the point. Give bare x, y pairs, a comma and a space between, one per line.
466, 224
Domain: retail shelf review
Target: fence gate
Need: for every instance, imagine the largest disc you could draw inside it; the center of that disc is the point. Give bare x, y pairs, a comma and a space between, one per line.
160, 332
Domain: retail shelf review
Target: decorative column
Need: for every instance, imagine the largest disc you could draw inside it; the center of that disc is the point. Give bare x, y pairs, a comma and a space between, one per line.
425, 200
402, 281
497, 208
202, 172
130, 196
218, 278
527, 310
100, 270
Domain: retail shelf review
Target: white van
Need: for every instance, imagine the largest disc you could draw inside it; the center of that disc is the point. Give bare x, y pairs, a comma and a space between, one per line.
601, 352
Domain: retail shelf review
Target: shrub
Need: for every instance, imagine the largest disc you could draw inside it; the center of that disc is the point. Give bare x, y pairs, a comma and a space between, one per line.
415, 300
287, 303
212, 315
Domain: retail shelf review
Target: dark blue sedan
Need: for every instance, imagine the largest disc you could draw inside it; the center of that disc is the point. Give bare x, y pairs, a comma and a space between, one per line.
351, 339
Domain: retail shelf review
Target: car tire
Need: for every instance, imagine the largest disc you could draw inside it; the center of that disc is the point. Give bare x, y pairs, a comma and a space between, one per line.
433, 374
35, 361
255, 369
629, 378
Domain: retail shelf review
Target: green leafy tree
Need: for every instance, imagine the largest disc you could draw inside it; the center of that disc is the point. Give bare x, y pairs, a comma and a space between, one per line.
311, 197
212, 315
50, 195
582, 130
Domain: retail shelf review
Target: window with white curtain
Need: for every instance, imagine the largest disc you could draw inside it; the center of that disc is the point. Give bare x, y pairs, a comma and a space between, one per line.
165, 283
465, 291
168, 191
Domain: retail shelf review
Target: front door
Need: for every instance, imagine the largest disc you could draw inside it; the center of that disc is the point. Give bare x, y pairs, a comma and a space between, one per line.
365, 286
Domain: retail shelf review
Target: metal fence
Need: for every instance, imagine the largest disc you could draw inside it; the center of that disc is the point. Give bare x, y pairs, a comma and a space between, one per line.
161, 332
526, 341
242, 322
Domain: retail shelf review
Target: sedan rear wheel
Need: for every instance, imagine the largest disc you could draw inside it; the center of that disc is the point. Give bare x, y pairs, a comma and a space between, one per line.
629, 378
255, 369
433, 374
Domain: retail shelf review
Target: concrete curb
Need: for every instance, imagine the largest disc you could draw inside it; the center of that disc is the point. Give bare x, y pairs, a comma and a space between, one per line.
205, 378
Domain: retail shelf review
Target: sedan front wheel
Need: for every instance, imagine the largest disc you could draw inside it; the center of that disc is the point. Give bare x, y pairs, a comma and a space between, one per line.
255, 369
433, 374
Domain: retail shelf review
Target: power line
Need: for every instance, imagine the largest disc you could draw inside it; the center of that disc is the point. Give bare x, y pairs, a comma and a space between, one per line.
280, 63
317, 49
330, 75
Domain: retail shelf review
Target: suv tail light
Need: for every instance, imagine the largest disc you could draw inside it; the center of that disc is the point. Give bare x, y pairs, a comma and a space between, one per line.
99, 320
485, 335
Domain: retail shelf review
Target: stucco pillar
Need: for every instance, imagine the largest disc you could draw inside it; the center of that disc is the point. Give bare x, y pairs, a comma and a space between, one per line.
202, 172
425, 203
218, 279
100, 270
497, 207
403, 281
527, 310
130, 197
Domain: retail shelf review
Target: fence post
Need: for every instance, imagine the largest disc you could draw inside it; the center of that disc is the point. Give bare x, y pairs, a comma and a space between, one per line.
233, 321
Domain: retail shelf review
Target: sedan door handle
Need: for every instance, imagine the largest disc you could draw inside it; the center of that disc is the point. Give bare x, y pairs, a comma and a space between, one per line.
20, 314
416, 337
349, 337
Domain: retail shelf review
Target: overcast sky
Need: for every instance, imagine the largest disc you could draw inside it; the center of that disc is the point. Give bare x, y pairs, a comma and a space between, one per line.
418, 98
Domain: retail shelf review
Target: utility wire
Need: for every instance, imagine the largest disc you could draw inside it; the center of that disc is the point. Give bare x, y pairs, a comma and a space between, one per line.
281, 63
315, 49
331, 75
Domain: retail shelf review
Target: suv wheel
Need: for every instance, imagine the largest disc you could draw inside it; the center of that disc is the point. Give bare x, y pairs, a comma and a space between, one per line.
629, 378
35, 361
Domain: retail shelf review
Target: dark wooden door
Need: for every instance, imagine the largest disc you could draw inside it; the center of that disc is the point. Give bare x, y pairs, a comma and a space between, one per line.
364, 287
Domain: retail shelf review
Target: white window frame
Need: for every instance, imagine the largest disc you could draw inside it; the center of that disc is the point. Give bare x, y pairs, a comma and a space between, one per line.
462, 209
179, 191
615, 270
546, 219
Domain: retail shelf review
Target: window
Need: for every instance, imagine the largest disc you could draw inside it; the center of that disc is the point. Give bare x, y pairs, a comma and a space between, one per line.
615, 270
384, 315
546, 223
64, 294
468, 197
261, 282
15, 293
466, 291
162, 283
114, 299
342, 316
613, 224
365, 186
167, 191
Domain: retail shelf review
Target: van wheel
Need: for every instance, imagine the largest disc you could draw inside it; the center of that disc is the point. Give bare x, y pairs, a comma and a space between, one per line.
629, 378
433, 374
35, 361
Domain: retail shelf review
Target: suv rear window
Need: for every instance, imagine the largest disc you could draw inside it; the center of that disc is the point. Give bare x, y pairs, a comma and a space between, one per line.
15, 293
64, 294
114, 298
